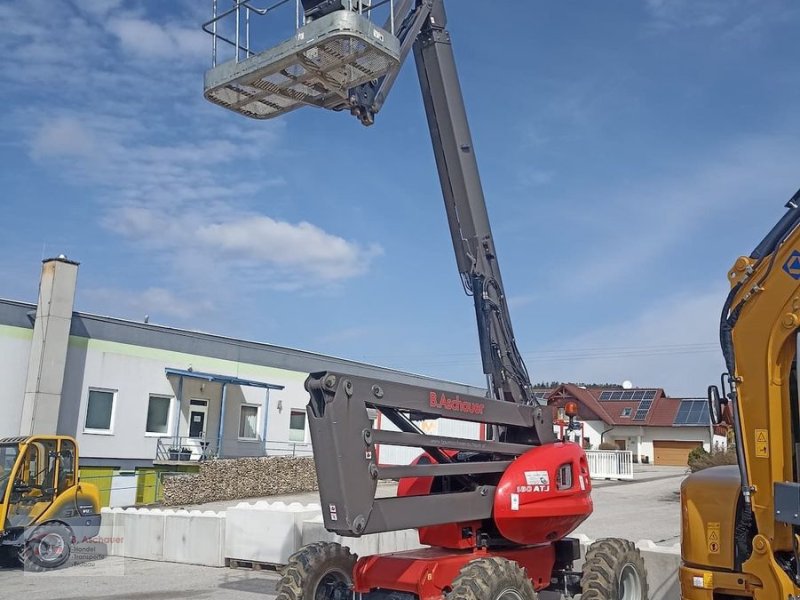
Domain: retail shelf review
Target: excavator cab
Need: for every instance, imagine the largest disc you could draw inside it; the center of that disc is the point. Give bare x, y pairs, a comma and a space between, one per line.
44, 509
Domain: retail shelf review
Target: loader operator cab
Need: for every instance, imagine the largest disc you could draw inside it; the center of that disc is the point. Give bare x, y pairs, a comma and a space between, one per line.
43, 507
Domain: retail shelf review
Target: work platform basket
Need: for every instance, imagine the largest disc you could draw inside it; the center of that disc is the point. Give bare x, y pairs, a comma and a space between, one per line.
317, 66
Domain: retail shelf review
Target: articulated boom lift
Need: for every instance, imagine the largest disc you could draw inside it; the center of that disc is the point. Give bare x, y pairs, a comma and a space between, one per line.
498, 511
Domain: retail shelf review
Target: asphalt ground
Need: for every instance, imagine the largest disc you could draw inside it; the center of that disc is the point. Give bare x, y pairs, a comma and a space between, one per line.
646, 508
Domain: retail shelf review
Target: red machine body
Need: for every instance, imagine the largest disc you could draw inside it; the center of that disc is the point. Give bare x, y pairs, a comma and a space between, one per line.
430, 572
541, 498
544, 495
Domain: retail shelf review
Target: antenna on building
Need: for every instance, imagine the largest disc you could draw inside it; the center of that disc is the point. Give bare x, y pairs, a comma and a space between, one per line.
627, 384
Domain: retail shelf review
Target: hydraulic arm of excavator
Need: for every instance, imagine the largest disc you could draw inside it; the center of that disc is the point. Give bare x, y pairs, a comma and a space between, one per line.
741, 526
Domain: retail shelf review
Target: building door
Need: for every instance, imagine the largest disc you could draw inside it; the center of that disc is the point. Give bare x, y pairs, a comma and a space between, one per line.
621, 444
672, 452
198, 413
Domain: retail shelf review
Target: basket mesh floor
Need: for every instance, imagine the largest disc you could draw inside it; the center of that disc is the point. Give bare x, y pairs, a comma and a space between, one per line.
319, 73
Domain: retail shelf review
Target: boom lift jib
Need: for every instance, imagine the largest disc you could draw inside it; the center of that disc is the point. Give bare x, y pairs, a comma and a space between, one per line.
496, 510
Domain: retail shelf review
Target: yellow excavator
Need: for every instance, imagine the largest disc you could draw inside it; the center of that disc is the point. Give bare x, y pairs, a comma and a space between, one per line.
44, 508
741, 524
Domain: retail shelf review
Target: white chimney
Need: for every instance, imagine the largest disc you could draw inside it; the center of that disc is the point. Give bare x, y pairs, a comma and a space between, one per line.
48, 355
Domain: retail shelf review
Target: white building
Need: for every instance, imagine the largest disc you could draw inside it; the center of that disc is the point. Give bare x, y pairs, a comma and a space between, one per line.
656, 428
137, 394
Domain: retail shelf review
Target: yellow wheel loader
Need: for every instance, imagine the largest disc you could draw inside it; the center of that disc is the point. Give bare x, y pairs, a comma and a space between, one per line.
741, 524
44, 509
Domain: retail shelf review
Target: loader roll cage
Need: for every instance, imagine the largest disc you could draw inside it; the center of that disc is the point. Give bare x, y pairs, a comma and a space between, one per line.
8, 458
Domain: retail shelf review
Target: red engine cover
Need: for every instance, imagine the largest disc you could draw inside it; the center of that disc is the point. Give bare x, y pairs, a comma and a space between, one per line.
544, 495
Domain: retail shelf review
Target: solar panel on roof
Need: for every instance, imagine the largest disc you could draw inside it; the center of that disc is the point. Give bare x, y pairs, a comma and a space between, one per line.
627, 395
638, 395
649, 394
605, 395
683, 413
616, 396
641, 412
692, 412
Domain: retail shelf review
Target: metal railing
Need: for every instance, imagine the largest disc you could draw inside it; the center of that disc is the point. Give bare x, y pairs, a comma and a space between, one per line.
610, 464
241, 11
186, 449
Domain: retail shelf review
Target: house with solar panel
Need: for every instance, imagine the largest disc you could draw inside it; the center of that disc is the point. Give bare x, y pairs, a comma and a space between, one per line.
656, 428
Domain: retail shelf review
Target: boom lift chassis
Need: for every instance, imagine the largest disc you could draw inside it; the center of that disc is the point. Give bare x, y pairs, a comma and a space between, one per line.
496, 510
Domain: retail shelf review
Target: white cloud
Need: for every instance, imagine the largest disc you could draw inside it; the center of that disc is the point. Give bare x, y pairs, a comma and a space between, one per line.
147, 39
160, 159
300, 246
737, 19
284, 255
153, 302
64, 137
98, 8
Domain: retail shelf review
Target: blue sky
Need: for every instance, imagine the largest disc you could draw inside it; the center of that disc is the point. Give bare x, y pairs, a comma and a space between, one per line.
629, 151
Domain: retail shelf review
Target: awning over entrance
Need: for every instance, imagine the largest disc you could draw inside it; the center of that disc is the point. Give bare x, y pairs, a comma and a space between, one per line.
228, 379
225, 380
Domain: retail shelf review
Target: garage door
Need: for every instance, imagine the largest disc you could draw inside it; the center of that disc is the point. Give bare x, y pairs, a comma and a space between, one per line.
671, 452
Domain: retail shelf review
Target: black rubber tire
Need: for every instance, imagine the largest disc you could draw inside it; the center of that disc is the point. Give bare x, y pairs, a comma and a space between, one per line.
33, 555
492, 579
314, 565
610, 564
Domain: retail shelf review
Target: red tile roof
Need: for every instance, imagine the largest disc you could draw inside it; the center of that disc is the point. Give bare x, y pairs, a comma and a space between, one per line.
661, 414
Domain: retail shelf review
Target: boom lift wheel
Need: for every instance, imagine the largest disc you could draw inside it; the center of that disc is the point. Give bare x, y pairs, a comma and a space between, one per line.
492, 579
613, 570
320, 571
48, 547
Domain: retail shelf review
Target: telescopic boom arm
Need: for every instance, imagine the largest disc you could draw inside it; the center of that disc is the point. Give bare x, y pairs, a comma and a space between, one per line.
471, 233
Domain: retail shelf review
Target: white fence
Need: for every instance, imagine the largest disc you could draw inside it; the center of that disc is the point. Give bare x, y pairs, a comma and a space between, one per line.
610, 464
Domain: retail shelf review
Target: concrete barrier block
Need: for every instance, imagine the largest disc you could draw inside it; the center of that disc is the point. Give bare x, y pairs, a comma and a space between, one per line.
366, 545
142, 531
661, 562
314, 531
112, 530
195, 537
265, 532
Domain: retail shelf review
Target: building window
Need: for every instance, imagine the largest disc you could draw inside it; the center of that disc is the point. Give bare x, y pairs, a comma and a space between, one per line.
626, 412
158, 414
100, 411
248, 422
297, 426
